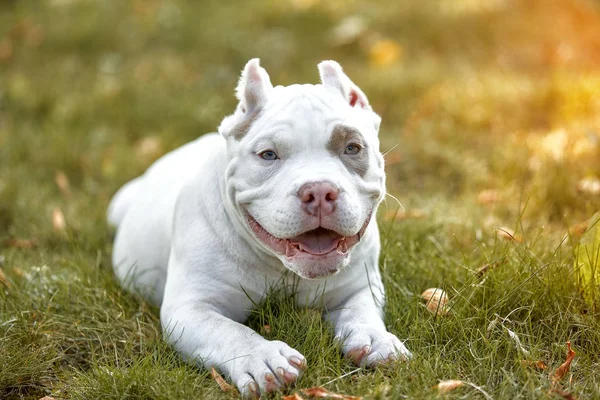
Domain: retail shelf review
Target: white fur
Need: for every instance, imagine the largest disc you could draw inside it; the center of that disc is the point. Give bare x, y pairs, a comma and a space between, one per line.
184, 242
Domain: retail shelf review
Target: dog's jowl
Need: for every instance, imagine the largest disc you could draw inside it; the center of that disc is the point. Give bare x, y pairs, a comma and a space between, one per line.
288, 186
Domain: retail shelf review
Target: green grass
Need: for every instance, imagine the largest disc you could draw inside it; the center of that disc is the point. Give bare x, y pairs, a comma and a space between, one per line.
474, 95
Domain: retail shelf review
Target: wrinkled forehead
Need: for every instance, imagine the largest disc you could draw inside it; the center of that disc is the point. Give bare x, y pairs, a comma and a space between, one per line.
312, 112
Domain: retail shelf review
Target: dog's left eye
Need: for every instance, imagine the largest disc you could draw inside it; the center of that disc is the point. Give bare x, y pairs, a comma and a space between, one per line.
352, 149
268, 155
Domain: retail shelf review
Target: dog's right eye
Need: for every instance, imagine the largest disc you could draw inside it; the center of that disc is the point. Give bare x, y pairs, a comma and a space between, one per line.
268, 155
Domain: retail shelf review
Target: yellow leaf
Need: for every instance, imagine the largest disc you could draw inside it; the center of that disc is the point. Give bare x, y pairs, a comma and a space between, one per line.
539, 365
385, 52
447, 386
58, 220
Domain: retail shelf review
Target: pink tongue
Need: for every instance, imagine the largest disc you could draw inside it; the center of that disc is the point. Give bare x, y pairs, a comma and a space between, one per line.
319, 241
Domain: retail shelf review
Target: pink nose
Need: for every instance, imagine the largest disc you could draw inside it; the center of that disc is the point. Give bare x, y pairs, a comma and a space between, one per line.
318, 198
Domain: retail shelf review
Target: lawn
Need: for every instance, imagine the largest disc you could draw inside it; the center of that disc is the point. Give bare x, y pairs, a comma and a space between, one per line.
491, 129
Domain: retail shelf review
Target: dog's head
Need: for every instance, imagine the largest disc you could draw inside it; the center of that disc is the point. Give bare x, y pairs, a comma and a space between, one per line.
305, 174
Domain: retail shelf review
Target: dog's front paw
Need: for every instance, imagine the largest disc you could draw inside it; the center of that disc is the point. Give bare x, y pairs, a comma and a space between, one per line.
369, 347
267, 368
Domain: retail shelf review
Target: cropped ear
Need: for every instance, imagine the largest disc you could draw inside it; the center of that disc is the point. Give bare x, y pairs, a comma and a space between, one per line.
253, 91
332, 75
254, 87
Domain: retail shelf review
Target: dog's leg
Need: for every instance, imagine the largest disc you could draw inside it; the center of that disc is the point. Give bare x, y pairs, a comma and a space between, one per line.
202, 325
359, 327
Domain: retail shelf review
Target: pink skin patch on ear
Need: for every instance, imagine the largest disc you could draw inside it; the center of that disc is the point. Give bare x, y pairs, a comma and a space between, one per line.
354, 98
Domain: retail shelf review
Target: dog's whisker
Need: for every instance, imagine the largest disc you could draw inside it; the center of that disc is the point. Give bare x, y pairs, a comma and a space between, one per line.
393, 147
397, 201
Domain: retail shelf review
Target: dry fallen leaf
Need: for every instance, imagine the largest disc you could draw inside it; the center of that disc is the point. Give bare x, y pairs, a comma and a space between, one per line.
539, 365
47, 398
58, 220
436, 300
20, 273
226, 387
579, 228
62, 182
20, 243
447, 386
564, 368
563, 394
322, 393
486, 268
294, 396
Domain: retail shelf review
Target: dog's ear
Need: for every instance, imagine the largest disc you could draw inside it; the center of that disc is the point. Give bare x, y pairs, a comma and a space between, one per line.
333, 76
253, 91
254, 87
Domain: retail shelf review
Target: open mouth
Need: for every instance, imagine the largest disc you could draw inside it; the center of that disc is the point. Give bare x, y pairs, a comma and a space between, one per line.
317, 242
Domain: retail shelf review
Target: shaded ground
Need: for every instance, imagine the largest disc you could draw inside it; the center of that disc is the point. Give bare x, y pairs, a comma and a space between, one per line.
491, 120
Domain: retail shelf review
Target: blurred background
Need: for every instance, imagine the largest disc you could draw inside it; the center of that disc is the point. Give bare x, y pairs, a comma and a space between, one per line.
491, 108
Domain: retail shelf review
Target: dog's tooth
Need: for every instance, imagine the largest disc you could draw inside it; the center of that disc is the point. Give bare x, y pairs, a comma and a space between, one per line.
290, 249
343, 246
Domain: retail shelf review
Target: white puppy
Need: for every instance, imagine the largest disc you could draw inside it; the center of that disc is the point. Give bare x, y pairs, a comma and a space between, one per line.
292, 183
